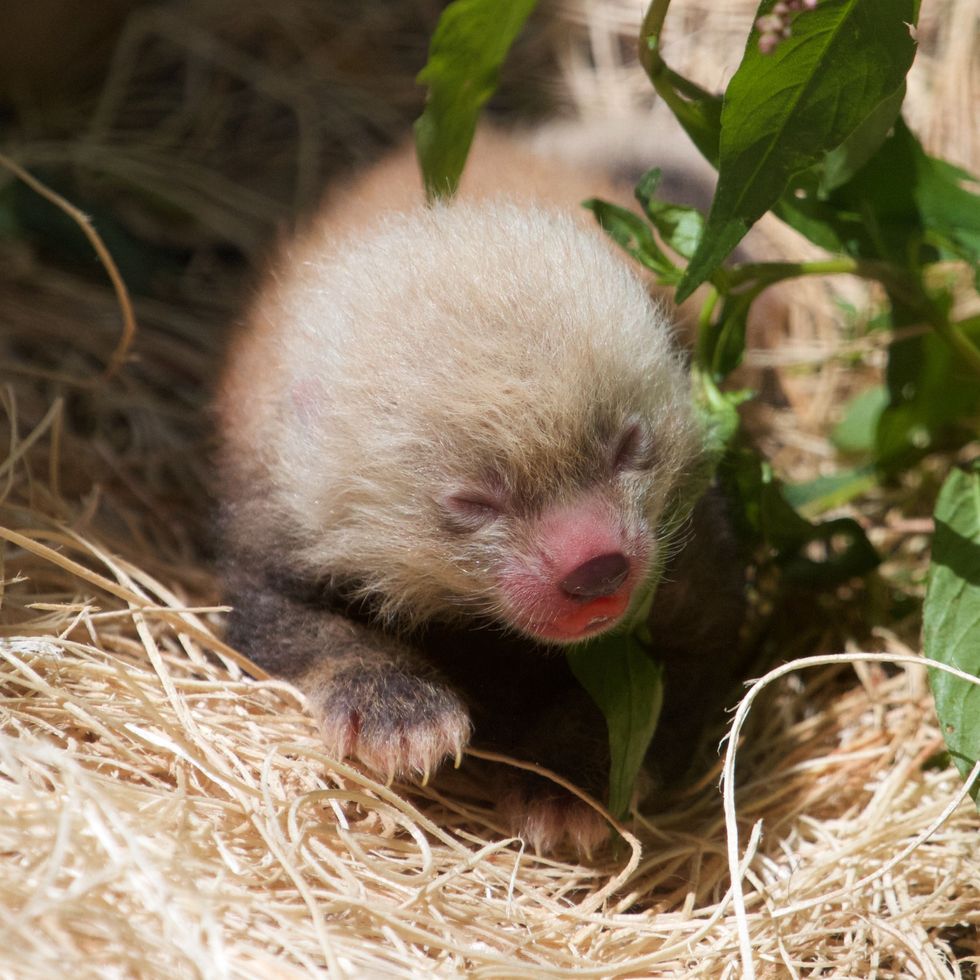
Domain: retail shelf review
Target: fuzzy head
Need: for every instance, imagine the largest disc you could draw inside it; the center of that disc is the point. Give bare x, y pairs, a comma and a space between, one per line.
481, 415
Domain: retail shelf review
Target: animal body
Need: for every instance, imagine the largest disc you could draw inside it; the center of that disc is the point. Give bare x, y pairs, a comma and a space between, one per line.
451, 436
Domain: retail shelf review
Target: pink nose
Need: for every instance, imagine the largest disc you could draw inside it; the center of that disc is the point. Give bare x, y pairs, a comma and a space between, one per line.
599, 576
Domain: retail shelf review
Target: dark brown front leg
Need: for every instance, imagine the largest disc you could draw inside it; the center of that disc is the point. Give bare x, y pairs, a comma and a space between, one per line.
375, 698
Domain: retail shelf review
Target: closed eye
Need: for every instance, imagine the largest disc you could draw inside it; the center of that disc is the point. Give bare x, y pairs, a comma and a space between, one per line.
635, 450
470, 511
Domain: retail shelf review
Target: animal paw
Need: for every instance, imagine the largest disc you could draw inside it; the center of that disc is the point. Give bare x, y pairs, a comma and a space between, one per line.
397, 724
551, 820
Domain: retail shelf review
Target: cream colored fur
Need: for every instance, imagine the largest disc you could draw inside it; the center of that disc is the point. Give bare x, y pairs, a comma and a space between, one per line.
422, 354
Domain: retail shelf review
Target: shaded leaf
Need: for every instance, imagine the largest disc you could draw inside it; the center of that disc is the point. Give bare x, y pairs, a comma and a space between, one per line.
627, 685
855, 433
810, 554
842, 163
933, 399
951, 626
827, 492
721, 345
902, 205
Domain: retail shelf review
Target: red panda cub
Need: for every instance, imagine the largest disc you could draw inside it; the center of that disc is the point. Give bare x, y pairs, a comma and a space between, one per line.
450, 434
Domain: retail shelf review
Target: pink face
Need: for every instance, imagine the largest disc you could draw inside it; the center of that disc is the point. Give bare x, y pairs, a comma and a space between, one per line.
570, 572
580, 575
574, 571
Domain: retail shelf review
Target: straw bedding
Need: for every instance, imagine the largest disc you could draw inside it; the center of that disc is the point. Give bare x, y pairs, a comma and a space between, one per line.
165, 815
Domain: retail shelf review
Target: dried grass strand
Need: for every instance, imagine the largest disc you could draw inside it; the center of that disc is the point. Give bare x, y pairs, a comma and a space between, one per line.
84, 222
735, 863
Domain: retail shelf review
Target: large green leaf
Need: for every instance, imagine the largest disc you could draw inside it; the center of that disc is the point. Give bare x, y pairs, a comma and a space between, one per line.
468, 47
784, 111
627, 685
951, 628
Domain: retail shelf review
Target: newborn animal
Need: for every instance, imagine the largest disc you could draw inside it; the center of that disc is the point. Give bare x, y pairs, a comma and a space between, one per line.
451, 438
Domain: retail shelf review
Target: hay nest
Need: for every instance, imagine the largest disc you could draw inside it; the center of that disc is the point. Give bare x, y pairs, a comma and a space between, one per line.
164, 815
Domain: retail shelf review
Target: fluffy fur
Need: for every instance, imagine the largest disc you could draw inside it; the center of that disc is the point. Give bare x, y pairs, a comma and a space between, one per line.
450, 436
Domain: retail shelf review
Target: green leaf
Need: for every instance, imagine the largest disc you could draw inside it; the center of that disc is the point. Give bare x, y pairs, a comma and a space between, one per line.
951, 626
618, 670
635, 237
933, 400
951, 212
627, 685
467, 50
812, 555
821, 222
719, 416
855, 433
840, 164
902, 205
827, 492
724, 341
784, 111
679, 226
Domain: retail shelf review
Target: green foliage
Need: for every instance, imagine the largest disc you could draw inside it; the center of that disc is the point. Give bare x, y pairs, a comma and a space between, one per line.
636, 237
809, 554
681, 227
470, 44
811, 129
855, 433
783, 112
952, 615
933, 398
627, 684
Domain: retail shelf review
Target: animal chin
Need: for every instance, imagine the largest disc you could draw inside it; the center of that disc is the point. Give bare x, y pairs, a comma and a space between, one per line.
569, 625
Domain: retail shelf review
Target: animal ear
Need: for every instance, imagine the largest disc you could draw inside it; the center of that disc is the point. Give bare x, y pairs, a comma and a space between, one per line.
635, 448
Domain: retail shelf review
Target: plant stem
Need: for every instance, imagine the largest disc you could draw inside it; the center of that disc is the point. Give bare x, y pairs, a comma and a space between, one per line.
653, 22
704, 325
649, 52
768, 273
760, 275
